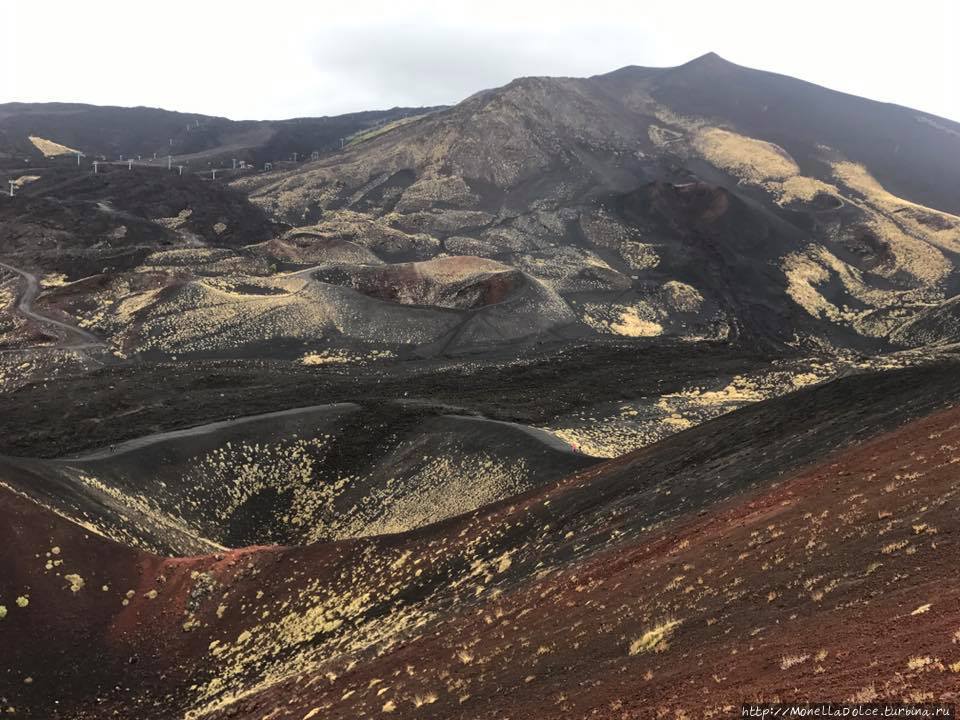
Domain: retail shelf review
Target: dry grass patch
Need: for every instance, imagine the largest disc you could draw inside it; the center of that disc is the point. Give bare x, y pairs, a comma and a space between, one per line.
748, 158
465, 656
789, 661
421, 700
655, 639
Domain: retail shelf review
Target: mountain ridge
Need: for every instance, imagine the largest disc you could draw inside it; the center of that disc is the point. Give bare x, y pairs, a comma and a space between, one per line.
114, 132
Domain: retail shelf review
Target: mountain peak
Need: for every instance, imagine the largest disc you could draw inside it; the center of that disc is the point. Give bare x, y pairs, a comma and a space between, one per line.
710, 59
706, 62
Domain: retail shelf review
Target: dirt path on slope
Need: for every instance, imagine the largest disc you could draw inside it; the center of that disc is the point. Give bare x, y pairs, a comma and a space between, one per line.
147, 440
72, 337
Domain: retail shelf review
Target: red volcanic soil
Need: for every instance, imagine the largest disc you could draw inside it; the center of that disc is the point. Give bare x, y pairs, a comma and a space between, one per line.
455, 282
589, 599
838, 583
102, 630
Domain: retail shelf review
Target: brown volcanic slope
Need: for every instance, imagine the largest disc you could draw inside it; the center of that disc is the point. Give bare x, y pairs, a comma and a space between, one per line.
781, 209
705, 570
696, 203
538, 132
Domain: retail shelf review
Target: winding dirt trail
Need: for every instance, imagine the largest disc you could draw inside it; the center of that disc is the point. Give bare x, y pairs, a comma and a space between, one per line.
546, 438
208, 428
68, 336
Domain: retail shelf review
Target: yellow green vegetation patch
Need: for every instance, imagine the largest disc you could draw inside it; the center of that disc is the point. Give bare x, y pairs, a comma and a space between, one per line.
49, 148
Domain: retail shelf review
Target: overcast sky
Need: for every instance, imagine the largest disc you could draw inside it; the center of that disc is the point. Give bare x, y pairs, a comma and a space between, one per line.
286, 58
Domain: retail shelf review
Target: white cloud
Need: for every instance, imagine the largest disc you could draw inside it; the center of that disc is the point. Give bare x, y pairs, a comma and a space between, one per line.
291, 57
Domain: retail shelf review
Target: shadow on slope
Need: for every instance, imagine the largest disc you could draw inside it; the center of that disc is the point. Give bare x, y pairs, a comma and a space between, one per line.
631, 574
295, 477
